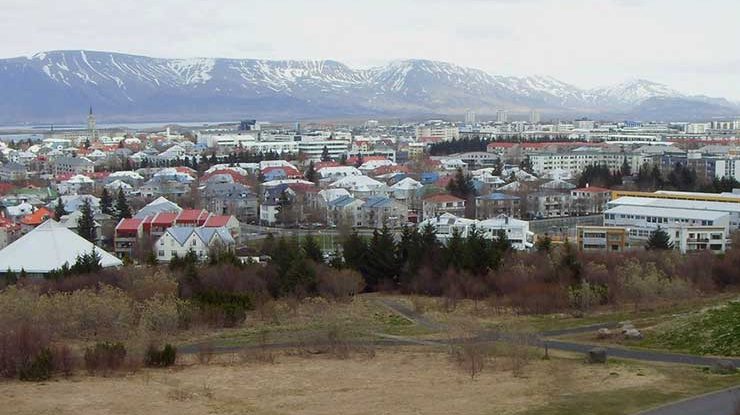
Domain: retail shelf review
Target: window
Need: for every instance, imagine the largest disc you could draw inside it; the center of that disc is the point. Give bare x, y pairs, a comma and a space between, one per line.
161, 253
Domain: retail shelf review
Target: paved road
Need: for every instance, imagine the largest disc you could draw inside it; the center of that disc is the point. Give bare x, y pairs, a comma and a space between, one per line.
724, 402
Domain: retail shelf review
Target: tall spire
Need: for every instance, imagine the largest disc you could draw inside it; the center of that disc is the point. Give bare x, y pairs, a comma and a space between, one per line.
90, 110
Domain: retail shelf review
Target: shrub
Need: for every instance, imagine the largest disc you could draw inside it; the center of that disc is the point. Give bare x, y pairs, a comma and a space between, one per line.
339, 284
104, 357
161, 358
38, 369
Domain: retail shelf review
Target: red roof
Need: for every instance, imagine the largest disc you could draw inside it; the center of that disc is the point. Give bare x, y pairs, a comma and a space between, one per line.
163, 219
353, 160
443, 181
217, 221
129, 224
238, 178
6, 187
442, 198
592, 189
186, 170
289, 170
192, 215
37, 217
390, 169
322, 164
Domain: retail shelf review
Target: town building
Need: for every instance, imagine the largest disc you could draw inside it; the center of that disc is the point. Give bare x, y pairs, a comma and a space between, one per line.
438, 204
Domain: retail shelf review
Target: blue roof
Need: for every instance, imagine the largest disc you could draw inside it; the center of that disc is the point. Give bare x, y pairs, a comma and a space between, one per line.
498, 196
342, 201
378, 201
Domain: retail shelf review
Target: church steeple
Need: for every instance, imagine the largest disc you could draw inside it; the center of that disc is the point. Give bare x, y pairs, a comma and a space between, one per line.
92, 127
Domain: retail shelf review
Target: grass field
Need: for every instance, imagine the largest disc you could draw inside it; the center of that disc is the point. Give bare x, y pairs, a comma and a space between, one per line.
399, 381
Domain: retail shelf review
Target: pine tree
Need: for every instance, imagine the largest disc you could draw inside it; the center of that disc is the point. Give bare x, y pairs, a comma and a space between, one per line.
106, 202
59, 210
86, 223
122, 208
312, 250
343, 159
311, 175
659, 240
325, 154
355, 252
626, 170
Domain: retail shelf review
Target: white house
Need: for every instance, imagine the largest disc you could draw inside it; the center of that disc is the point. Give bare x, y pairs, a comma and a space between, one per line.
201, 240
517, 231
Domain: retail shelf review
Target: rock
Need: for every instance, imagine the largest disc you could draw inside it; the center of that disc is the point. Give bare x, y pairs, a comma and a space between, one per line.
597, 355
724, 367
603, 333
627, 327
632, 334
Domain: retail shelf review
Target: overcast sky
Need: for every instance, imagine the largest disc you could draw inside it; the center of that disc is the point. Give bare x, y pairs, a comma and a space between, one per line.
690, 45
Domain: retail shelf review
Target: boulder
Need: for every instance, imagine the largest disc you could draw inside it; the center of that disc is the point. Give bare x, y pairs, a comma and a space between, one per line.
603, 333
597, 355
632, 334
725, 367
627, 327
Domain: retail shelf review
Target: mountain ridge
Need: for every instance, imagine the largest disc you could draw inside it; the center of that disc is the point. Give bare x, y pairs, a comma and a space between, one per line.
56, 85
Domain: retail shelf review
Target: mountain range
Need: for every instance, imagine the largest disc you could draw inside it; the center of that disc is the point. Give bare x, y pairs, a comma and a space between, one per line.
59, 86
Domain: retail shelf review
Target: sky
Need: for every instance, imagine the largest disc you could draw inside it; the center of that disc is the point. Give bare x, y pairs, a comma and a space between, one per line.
689, 45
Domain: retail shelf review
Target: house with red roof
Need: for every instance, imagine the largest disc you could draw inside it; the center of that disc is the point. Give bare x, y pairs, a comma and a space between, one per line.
129, 232
35, 219
192, 217
225, 221
435, 205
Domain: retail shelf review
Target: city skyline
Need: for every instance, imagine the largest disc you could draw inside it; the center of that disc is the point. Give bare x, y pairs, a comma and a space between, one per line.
658, 40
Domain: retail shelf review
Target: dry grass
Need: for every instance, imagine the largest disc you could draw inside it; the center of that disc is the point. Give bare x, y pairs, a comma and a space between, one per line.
406, 381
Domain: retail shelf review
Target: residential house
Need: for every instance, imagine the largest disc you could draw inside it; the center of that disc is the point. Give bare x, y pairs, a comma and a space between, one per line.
231, 199
178, 241
495, 204
10, 172
590, 200
72, 165
345, 210
380, 210
438, 204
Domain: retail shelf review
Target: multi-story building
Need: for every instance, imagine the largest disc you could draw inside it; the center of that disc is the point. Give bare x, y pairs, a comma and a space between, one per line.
517, 231
642, 221
495, 204
575, 161
435, 205
602, 238
10, 172
589, 200
437, 131
72, 165
314, 149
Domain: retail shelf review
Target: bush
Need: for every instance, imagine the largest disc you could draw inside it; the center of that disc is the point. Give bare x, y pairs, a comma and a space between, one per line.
339, 284
161, 358
104, 358
38, 369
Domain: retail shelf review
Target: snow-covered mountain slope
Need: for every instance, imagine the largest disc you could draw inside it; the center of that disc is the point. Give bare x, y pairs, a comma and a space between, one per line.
58, 85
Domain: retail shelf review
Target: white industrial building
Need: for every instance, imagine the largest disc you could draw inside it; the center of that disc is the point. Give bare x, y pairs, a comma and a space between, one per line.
732, 209
313, 149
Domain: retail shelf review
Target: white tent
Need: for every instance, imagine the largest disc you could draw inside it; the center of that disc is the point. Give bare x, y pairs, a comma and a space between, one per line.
48, 247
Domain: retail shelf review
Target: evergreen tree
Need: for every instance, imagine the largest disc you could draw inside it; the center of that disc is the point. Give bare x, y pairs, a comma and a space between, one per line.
381, 261
122, 208
59, 210
526, 164
312, 250
86, 223
355, 252
659, 240
325, 154
106, 202
343, 159
311, 174
461, 185
360, 160
543, 244
626, 170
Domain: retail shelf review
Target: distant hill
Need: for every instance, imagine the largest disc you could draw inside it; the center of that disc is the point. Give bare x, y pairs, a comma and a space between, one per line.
58, 86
